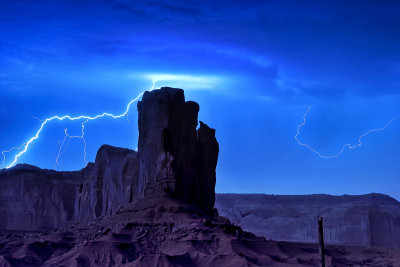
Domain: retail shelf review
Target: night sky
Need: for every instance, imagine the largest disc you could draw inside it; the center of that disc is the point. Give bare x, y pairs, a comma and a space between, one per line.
254, 67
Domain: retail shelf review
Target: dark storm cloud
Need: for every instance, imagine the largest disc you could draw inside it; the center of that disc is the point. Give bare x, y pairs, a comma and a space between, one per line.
318, 50
340, 48
129, 8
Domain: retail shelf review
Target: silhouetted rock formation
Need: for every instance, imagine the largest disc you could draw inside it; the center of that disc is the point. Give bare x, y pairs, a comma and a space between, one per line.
368, 220
174, 160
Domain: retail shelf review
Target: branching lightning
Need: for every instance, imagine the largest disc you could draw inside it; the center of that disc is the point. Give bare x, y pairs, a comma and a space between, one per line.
8, 151
69, 137
349, 146
25, 146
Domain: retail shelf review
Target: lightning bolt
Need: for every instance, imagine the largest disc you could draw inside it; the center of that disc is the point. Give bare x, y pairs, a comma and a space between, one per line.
69, 137
25, 146
349, 146
8, 151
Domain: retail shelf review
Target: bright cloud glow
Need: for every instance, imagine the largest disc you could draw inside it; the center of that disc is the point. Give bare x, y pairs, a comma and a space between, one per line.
185, 81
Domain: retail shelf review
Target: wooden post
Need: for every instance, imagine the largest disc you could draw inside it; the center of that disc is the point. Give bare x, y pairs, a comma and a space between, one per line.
321, 241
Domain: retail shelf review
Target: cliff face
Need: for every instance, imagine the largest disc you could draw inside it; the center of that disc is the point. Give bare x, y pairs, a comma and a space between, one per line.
33, 199
109, 184
173, 159
368, 220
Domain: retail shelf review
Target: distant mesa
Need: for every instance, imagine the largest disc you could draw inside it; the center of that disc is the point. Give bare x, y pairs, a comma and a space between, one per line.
364, 220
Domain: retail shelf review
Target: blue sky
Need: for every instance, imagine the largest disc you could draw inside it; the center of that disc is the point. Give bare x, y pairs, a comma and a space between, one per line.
253, 66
